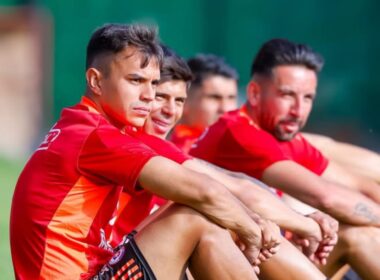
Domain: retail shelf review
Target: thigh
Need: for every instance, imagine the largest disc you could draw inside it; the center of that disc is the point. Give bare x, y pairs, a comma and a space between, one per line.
291, 262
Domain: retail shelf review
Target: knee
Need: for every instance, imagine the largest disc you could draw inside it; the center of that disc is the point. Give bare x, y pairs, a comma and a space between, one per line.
355, 237
188, 218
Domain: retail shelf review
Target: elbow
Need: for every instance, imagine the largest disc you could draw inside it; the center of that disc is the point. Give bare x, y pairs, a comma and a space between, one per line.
325, 202
209, 191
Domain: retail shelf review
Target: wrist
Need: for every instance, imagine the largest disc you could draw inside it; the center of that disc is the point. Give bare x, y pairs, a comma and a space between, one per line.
310, 228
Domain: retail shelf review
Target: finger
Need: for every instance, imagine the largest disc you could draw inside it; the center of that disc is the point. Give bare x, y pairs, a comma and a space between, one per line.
327, 248
265, 254
251, 253
266, 236
274, 250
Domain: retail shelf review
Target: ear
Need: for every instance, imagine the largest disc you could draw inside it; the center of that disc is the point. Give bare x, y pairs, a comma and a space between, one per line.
253, 93
93, 77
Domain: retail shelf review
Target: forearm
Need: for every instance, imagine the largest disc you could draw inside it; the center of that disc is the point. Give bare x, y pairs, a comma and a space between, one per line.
340, 202
199, 191
270, 207
351, 207
257, 198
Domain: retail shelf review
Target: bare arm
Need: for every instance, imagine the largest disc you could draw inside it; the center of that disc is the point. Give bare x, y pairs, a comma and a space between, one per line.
336, 173
360, 160
174, 182
340, 202
257, 197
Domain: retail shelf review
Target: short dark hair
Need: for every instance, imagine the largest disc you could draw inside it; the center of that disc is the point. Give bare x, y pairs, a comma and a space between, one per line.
113, 38
205, 65
284, 52
174, 67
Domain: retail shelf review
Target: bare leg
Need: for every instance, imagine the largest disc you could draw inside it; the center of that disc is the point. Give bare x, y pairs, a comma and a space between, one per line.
179, 235
363, 245
289, 263
337, 258
359, 247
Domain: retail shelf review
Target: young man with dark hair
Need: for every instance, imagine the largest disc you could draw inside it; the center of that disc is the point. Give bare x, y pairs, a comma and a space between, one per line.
69, 189
212, 93
262, 139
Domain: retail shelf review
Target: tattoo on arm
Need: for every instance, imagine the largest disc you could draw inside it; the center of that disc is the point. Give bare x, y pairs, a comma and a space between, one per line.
363, 210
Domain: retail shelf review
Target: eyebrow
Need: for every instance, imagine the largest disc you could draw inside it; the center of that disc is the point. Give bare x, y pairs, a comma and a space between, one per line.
289, 90
167, 94
136, 76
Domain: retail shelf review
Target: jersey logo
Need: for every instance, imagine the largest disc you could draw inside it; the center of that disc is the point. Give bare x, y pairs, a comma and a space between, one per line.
49, 138
117, 256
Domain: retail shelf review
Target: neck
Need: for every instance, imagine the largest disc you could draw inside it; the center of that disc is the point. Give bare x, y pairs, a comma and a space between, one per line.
96, 105
251, 113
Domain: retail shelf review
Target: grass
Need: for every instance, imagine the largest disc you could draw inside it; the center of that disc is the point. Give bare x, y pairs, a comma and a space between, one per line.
9, 171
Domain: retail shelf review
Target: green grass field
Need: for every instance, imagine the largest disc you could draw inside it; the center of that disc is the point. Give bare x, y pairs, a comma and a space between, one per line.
9, 171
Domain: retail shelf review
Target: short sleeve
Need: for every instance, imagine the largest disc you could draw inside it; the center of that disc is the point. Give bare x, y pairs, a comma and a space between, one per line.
305, 154
163, 148
110, 157
245, 148
238, 146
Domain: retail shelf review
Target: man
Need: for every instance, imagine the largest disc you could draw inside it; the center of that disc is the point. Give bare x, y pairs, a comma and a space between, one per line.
69, 189
262, 139
167, 110
212, 93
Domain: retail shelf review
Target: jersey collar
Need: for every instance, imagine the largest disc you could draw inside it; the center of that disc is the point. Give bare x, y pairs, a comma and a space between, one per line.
243, 112
91, 106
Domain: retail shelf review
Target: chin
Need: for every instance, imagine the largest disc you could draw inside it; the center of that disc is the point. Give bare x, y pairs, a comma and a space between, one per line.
281, 136
137, 123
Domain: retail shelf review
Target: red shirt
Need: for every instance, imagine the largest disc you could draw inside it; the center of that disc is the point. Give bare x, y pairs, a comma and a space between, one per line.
184, 136
236, 143
125, 216
68, 192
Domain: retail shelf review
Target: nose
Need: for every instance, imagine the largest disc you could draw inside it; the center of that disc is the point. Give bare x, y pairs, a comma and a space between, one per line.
169, 108
297, 108
148, 93
225, 105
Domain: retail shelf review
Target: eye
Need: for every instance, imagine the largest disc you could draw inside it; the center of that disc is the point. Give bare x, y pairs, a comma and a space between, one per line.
309, 97
155, 83
135, 81
159, 97
180, 101
214, 96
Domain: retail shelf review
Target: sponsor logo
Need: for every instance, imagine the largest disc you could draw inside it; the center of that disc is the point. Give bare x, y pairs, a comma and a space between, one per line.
49, 138
117, 256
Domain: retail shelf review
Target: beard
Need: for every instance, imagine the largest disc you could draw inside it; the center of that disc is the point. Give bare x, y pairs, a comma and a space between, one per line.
282, 135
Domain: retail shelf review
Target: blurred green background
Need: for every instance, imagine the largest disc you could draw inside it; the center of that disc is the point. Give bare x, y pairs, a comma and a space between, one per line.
345, 32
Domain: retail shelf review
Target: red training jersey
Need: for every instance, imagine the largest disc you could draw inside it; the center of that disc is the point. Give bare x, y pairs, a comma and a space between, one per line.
68, 192
125, 213
236, 143
185, 136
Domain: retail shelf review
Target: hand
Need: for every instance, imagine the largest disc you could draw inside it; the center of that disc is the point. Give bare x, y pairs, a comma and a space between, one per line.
308, 238
271, 239
250, 243
329, 227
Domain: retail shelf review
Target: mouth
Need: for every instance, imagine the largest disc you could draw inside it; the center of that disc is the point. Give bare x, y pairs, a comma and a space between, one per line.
290, 126
142, 111
162, 125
